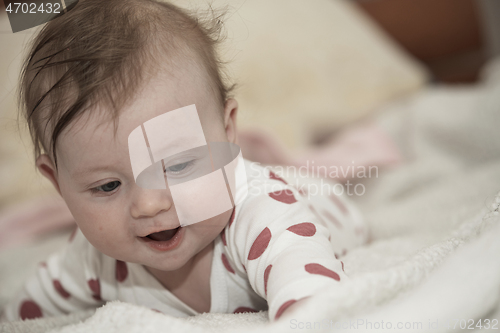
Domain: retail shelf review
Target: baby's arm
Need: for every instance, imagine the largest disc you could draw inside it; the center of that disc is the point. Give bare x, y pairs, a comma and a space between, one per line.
66, 282
295, 307
284, 250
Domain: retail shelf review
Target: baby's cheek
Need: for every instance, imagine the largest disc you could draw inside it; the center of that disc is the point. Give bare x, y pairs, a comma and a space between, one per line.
100, 226
94, 230
108, 238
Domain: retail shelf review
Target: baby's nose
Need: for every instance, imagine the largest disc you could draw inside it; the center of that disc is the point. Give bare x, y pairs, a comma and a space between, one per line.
149, 203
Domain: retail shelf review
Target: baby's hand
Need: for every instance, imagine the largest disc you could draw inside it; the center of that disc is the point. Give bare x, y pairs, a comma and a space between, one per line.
294, 307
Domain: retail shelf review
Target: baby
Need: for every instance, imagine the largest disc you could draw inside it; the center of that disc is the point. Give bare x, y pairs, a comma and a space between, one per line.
101, 73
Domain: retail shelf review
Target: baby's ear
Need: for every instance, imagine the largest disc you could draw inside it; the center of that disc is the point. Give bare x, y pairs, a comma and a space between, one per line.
47, 169
230, 112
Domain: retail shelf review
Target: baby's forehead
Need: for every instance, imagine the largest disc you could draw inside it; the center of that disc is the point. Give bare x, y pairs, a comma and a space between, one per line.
96, 135
168, 89
92, 131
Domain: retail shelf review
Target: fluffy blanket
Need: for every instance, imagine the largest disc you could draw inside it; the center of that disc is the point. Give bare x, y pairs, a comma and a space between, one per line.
433, 263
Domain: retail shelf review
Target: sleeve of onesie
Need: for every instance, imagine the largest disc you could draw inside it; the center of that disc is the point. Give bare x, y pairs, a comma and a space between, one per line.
66, 282
283, 248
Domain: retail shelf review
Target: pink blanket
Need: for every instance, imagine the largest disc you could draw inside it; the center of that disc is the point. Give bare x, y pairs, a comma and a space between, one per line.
363, 145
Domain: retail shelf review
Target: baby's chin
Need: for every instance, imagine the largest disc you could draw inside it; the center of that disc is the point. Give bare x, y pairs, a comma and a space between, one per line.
167, 264
163, 267
162, 261
150, 261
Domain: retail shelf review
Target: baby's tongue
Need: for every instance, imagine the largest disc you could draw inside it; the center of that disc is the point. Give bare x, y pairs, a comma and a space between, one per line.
163, 235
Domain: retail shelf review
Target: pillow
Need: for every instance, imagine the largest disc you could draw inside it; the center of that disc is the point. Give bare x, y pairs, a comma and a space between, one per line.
307, 67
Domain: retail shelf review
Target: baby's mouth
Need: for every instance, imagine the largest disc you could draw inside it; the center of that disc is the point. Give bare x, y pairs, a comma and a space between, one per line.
164, 235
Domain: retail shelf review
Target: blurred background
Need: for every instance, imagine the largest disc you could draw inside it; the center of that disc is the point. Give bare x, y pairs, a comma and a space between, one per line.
453, 39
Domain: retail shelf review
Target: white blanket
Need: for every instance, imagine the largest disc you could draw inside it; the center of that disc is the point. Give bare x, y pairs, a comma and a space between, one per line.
434, 262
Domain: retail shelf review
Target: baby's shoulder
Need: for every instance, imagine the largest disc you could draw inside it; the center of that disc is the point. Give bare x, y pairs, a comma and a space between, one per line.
270, 199
272, 208
283, 195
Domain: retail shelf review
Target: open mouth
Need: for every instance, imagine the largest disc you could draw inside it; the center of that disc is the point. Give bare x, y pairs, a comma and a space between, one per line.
165, 240
164, 235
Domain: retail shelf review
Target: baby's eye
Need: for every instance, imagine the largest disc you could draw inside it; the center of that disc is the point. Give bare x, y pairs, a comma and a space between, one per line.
107, 187
178, 167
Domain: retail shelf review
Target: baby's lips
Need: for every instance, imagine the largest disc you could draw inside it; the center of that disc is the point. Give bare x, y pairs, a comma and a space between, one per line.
156, 230
163, 235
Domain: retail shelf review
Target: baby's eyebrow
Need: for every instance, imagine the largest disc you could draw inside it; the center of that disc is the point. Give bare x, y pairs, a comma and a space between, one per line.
85, 172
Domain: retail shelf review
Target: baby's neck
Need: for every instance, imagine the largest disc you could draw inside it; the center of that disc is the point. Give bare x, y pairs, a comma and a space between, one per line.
195, 274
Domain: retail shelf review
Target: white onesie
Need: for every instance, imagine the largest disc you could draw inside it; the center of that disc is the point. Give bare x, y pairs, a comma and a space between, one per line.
280, 245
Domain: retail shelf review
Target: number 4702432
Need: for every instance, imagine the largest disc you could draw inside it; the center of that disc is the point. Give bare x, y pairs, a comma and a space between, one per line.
33, 8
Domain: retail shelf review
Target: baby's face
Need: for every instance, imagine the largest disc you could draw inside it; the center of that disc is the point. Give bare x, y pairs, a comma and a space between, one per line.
96, 179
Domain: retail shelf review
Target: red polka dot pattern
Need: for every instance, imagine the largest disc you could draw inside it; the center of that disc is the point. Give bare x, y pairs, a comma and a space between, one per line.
260, 244
339, 204
72, 236
30, 310
223, 237
272, 175
231, 219
336, 256
95, 287
121, 271
306, 229
266, 277
243, 309
43, 264
342, 266
59, 288
321, 270
226, 263
333, 219
244, 267
283, 307
284, 196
